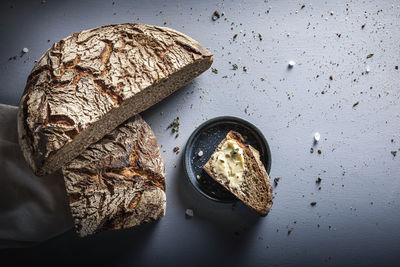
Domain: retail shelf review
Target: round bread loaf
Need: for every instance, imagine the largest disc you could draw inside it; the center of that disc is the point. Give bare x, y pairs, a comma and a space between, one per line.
118, 182
87, 84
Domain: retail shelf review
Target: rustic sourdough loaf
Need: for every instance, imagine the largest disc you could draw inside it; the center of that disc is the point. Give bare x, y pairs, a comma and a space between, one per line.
118, 182
238, 168
87, 84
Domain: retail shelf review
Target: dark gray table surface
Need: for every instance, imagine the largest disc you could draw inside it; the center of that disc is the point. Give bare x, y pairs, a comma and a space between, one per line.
357, 217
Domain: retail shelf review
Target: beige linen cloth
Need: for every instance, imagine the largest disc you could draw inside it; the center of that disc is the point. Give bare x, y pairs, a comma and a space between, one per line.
32, 209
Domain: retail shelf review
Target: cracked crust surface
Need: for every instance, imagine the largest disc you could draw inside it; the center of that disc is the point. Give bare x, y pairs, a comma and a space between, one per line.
100, 76
118, 182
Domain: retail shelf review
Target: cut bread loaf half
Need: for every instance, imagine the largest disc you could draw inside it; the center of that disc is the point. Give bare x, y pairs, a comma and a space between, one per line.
87, 84
238, 168
118, 182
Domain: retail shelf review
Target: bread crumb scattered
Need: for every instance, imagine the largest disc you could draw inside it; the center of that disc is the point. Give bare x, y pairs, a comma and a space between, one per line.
189, 213
215, 15
276, 181
317, 136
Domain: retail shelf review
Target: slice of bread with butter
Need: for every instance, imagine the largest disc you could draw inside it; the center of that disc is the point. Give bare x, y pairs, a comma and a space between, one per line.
237, 167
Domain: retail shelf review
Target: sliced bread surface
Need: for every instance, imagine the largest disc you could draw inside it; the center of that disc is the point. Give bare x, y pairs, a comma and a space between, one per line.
117, 182
237, 167
87, 84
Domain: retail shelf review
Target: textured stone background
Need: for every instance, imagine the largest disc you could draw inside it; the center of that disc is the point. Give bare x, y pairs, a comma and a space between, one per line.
358, 206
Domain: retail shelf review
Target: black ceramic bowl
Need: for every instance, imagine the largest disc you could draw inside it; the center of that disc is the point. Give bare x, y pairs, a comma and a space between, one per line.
206, 139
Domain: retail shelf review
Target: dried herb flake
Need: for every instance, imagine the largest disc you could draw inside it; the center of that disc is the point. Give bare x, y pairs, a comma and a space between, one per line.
174, 125
235, 151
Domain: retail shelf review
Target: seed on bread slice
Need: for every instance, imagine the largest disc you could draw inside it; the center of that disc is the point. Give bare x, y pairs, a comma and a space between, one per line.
237, 167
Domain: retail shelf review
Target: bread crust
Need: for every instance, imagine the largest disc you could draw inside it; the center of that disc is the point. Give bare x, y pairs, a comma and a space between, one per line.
81, 79
256, 170
118, 182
